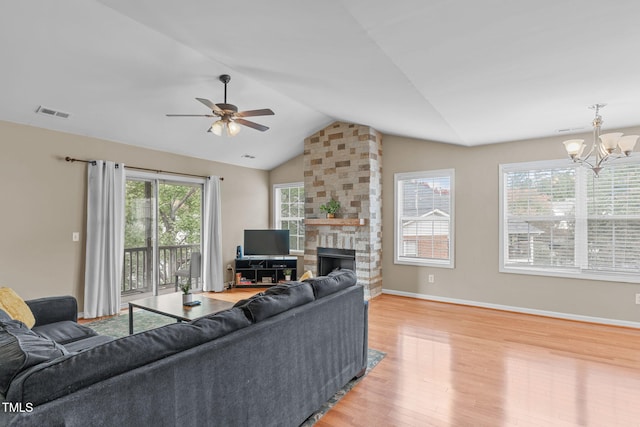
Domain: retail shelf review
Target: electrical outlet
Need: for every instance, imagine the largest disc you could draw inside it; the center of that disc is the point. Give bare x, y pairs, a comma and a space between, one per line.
637, 298
75, 236
432, 278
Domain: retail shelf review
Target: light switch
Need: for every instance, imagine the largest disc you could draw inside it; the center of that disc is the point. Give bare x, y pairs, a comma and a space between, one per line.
76, 236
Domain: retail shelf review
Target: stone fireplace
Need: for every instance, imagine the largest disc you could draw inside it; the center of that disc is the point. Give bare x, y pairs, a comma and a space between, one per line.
344, 162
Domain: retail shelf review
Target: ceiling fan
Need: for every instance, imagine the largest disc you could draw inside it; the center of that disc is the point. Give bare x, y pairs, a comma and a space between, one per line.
229, 116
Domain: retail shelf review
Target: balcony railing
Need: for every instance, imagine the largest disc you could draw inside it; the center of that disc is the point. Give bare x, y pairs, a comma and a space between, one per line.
138, 266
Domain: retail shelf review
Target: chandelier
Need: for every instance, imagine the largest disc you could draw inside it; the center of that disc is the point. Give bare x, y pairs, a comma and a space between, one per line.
603, 147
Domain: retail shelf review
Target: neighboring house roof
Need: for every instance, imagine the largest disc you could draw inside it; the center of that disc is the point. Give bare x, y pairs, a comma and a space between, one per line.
420, 199
430, 224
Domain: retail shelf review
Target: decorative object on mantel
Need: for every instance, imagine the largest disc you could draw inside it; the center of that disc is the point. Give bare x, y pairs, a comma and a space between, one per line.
603, 147
187, 296
287, 274
331, 208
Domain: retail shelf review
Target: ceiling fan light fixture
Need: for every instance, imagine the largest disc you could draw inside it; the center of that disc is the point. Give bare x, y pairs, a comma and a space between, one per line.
230, 119
233, 128
216, 128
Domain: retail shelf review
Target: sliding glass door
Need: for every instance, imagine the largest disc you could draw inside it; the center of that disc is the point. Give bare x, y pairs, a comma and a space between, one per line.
163, 230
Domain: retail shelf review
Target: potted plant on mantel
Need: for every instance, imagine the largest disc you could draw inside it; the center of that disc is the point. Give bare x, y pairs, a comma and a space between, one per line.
187, 296
331, 208
287, 274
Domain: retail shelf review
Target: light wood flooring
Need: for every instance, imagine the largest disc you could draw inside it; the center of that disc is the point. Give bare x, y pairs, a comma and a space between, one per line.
453, 365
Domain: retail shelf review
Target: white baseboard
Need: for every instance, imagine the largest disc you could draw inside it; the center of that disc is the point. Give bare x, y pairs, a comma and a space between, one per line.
546, 313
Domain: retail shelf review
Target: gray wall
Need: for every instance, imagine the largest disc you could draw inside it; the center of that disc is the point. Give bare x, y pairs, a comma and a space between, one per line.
44, 198
475, 278
289, 171
43, 202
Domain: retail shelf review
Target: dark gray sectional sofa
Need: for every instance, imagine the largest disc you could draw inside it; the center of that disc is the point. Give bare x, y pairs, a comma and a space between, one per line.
272, 360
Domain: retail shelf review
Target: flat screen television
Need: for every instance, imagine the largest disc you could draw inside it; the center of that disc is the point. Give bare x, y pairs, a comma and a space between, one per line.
266, 242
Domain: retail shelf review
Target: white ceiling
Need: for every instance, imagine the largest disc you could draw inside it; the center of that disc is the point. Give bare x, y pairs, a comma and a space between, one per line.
462, 72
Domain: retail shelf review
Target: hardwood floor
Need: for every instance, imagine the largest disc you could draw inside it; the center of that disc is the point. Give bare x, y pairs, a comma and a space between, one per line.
453, 365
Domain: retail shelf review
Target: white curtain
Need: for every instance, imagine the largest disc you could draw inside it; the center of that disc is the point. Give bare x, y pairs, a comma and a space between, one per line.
105, 238
212, 271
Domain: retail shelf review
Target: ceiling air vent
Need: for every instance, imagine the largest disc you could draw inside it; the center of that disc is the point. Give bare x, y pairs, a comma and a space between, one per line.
50, 112
570, 129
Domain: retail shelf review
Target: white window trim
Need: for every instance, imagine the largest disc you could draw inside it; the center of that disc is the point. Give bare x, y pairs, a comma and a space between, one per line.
276, 205
397, 259
574, 273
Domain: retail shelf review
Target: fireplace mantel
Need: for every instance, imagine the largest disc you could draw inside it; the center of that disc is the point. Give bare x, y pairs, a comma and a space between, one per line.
338, 222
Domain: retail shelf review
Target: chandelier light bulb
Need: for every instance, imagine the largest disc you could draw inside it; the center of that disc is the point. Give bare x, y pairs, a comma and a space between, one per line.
627, 143
574, 147
610, 141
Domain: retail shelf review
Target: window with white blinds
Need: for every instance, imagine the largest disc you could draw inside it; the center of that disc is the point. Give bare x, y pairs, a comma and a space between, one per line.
424, 218
289, 213
560, 219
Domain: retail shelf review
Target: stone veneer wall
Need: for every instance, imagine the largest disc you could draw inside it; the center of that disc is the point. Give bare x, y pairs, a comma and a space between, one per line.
344, 162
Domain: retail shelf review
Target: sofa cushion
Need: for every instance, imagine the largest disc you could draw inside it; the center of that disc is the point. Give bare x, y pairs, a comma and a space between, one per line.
54, 309
60, 377
276, 299
87, 343
64, 332
21, 348
4, 316
16, 307
221, 323
333, 282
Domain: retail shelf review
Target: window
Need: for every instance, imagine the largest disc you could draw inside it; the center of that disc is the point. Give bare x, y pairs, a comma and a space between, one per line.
424, 218
163, 227
289, 213
559, 219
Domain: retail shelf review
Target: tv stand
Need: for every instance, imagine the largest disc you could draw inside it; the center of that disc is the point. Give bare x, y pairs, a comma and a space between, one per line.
259, 271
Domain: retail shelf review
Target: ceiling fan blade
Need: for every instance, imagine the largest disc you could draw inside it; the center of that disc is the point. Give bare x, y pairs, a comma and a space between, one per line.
190, 115
253, 125
250, 113
211, 105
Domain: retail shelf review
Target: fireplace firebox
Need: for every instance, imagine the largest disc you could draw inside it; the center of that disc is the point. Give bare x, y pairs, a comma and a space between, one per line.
330, 259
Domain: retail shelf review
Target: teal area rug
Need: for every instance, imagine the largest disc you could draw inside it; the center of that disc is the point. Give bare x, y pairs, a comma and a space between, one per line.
118, 326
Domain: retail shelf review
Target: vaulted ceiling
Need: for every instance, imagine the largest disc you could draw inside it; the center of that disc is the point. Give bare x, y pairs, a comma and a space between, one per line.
462, 72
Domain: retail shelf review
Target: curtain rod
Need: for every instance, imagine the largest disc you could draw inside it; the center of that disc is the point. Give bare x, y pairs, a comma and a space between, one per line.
70, 159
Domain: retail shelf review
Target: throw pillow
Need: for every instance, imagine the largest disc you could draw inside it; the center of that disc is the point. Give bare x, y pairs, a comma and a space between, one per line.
276, 300
334, 282
16, 307
21, 348
307, 275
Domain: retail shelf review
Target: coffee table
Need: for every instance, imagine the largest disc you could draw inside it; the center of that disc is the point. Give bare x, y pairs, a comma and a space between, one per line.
171, 305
